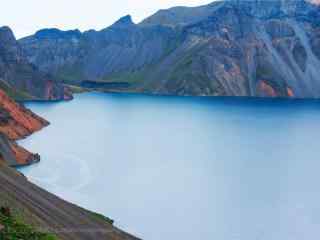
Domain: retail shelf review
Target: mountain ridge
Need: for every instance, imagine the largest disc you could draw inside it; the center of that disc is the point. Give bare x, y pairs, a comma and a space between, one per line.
227, 48
22, 80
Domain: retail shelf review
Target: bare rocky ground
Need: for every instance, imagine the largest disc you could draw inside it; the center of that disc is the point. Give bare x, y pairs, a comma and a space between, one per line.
51, 214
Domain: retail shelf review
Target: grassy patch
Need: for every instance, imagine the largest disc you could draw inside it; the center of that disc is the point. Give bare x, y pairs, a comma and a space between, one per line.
102, 217
15, 94
14, 229
77, 89
131, 77
70, 74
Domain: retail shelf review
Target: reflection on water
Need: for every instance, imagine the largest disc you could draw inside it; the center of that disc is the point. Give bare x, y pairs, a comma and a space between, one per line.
185, 168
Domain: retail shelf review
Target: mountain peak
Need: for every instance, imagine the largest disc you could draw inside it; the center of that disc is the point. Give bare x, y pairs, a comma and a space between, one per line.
57, 33
6, 34
124, 21
5, 29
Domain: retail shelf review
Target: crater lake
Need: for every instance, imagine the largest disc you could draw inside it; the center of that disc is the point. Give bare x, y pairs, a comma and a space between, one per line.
185, 167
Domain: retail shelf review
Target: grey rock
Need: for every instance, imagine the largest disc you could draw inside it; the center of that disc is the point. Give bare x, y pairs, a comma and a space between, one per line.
6, 151
124, 46
19, 78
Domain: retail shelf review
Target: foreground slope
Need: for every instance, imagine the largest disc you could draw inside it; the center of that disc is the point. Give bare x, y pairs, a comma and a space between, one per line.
51, 214
265, 48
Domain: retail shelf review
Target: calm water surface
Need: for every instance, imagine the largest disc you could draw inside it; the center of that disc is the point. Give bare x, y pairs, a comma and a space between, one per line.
185, 168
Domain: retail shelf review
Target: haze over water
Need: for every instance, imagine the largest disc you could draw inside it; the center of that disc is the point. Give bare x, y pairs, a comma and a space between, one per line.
185, 168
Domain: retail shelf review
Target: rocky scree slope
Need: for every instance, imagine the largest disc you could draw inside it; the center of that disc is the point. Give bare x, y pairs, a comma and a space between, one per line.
246, 48
22, 80
51, 214
265, 48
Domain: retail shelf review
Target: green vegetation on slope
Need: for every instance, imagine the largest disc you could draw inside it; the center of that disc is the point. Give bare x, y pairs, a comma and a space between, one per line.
15, 229
70, 74
13, 93
133, 77
77, 89
102, 217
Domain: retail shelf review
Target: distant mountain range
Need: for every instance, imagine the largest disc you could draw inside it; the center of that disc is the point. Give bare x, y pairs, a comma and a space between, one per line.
260, 48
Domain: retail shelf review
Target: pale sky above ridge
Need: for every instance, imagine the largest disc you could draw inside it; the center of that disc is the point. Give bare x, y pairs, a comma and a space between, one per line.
26, 17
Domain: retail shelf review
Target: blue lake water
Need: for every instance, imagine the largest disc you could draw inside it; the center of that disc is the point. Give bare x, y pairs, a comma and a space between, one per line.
185, 168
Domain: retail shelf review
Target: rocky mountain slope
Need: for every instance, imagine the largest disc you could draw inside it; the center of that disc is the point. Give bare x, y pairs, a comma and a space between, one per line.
51, 214
246, 48
180, 16
21, 79
16, 122
76, 57
266, 48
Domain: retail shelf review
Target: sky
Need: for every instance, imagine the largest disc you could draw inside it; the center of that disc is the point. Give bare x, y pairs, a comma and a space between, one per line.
25, 17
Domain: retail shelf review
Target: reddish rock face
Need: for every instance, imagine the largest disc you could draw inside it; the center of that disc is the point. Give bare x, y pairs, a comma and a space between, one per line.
290, 92
17, 122
23, 156
67, 94
51, 92
266, 90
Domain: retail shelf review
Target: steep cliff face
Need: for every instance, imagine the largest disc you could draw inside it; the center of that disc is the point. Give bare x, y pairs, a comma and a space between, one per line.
21, 79
13, 155
246, 48
75, 57
17, 122
266, 48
